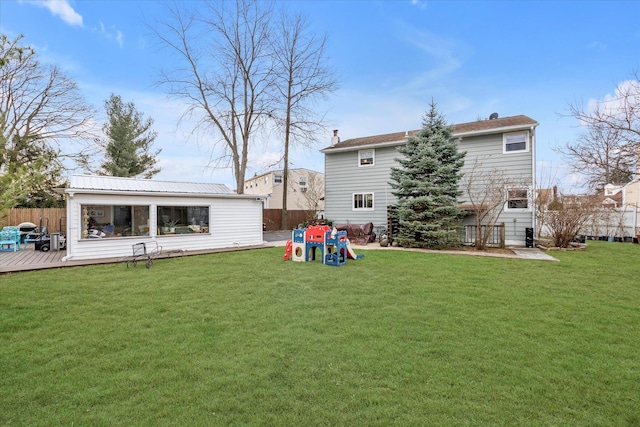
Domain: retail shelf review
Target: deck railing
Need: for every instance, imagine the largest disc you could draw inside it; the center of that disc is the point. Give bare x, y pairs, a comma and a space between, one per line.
496, 235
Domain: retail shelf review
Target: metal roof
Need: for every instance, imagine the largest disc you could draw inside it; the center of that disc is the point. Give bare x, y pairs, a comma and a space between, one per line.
110, 183
472, 128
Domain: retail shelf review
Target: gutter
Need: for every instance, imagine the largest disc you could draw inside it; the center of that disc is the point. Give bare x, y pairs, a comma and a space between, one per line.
513, 128
72, 191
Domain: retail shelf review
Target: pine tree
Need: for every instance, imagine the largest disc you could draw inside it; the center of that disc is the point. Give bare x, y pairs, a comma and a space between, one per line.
129, 138
426, 185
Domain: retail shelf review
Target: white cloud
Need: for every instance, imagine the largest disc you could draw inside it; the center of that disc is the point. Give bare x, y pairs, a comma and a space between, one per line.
421, 4
597, 45
119, 37
60, 8
110, 33
614, 104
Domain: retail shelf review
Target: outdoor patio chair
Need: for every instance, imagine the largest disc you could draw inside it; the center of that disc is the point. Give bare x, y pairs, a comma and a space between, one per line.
10, 238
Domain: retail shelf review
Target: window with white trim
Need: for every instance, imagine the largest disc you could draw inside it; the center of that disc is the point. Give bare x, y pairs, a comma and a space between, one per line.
517, 199
174, 220
366, 157
515, 142
362, 201
277, 179
106, 221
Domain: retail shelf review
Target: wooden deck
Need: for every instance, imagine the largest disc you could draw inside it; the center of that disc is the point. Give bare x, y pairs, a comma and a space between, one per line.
30, 259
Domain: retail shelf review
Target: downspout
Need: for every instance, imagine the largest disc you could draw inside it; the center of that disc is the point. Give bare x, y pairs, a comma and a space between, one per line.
534, 186
70, 195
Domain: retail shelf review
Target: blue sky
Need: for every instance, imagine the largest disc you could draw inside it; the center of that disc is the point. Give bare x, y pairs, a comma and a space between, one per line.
392, 58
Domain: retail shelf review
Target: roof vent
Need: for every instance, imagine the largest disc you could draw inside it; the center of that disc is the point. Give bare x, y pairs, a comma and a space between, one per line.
493, 116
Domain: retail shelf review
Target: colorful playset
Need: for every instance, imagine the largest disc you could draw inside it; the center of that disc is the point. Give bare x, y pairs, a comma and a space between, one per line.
332, 246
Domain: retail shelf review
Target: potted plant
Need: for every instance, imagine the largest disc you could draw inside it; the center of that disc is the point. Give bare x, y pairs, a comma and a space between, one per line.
171, 225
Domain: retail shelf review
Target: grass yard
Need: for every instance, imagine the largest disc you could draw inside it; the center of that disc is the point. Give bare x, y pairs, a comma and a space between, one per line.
397, 338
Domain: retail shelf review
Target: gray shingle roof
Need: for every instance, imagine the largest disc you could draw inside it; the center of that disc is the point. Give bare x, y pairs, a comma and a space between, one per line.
477, 127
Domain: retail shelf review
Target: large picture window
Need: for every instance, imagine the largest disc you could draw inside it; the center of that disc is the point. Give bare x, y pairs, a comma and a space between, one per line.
183, 220
107, 221
362, 201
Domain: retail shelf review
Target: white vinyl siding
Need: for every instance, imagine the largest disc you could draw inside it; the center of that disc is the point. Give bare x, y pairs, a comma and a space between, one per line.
233, 222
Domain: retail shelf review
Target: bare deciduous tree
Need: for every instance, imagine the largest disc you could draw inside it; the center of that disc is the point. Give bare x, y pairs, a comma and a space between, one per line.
312, 195
488, 194
302, 76
41, 109
601, 155
224, 74
613, 135
568, 217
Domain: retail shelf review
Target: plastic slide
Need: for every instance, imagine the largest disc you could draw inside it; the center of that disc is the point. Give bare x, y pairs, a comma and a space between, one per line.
287, 251
350, 253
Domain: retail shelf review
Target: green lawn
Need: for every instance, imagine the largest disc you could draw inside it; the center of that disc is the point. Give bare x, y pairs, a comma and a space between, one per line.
396, 338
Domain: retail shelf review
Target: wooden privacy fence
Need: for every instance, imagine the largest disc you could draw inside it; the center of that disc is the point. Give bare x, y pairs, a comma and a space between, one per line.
52, 215
272, 218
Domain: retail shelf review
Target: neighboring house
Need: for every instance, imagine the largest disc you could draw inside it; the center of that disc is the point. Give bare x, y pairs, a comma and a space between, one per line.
306, 189
357, 172
107, 215
631, 192
612, 196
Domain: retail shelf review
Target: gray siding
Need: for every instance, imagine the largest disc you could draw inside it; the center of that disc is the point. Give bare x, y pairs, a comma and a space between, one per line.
343, 177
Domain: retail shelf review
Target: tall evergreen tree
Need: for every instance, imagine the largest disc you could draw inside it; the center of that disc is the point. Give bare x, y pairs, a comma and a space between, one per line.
129, 138
426, 185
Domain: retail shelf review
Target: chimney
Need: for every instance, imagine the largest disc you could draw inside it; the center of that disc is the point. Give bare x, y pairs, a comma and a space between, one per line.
335, 138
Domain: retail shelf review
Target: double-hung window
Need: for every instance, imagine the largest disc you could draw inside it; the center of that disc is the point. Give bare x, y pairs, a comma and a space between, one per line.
362, 201
517, 199
366, 157
515, 142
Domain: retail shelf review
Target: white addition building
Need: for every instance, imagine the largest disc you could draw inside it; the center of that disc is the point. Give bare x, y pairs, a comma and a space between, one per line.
107, 215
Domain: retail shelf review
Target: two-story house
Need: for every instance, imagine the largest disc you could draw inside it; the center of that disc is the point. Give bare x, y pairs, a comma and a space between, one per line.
357, 172
306, 189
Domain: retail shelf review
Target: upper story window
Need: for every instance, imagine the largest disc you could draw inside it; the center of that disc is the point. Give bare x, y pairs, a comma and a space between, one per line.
302, 181
517, 198
366, 157
515, 142
362, 201
277, 179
